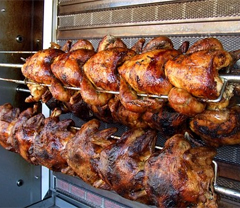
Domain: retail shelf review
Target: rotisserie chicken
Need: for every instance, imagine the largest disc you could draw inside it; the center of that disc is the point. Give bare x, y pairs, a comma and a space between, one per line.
101, 69
126, 117
26, 129
8, 118
38, 69
183, 102
178, 175
144, 73
121, 165
181, 176
49, 144
218, 127
197, 71
67, 67
84, 147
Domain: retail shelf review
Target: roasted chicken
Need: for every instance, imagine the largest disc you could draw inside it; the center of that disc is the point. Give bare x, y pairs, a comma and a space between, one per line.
180, 176
144, 73
27, 127
167, 121
183, 102
110, 41
86, 146
121, 165
126, 117
177, 176
67, 67
49, 144
101, 69
197, 71
218, 127
8, 118
38, 69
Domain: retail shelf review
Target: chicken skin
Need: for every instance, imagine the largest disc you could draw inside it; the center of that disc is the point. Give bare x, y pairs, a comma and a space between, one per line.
51, 141
121, 165
144, 73
8, 118
180, 176
67, 67
84, 147
101, 69
218, 127
38, 67
197, 71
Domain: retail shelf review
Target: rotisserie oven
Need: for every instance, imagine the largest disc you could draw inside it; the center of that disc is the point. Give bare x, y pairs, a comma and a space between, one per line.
120, 104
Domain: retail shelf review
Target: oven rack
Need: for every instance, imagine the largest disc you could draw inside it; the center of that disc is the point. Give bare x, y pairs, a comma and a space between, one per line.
225, 77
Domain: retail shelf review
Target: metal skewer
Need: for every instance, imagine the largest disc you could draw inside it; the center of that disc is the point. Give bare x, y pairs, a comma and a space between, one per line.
113, 92
20, 52
223, 190
225, 77
11, 65
217, 188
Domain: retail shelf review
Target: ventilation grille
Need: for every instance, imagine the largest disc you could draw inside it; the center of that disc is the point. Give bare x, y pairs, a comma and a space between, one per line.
178, 11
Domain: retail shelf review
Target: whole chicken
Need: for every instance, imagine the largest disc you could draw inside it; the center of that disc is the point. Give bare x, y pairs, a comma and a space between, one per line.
86, 146
218, 127
67, 67
121, 165
101, 69
38, 67
8, 118
51, 141
26, 134
197, 71
38, 70
144, 73
181, 176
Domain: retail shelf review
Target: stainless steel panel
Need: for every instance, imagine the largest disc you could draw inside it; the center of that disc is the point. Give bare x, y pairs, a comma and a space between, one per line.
21, 30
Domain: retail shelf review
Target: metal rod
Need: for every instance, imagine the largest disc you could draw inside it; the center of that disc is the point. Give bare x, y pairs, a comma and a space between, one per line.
223, 190
19, 89
11, 65
230, 77
18, 52
226, 78
225, 81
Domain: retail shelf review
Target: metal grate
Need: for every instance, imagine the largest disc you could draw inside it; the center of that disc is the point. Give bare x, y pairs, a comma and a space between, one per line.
183, 11
228, 183
230, 43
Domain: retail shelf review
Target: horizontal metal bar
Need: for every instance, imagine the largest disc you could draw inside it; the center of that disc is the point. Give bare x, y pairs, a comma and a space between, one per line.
227, 191
77, 6
230, 77
19, 89
11, 65
223, 190
18, 52
203, 28
226, 78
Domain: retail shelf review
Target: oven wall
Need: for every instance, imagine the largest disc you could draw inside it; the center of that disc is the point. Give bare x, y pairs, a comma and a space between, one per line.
21, 23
